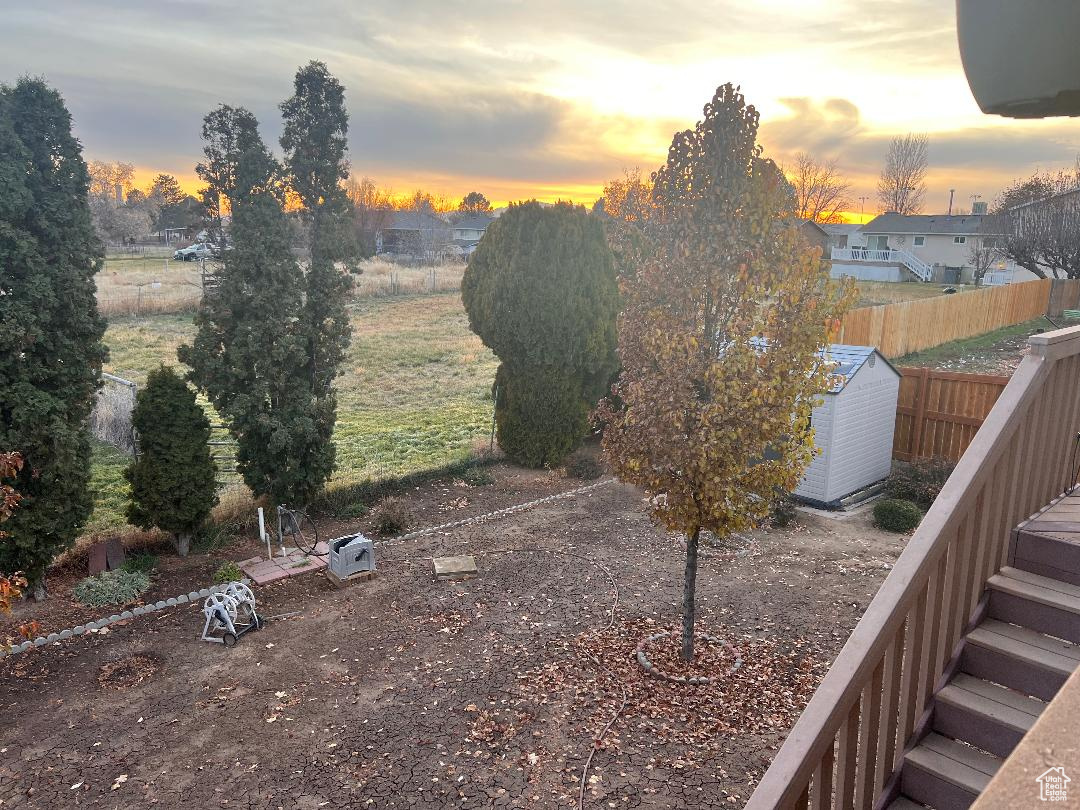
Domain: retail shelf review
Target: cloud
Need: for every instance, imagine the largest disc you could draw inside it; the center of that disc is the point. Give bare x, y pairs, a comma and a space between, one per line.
825, 129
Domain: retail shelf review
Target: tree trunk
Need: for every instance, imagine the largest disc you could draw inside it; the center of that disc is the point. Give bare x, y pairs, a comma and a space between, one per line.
689, 585
183, 543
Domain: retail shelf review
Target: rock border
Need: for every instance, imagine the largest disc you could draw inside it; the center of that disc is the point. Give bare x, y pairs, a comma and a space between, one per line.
141, 610
682, 680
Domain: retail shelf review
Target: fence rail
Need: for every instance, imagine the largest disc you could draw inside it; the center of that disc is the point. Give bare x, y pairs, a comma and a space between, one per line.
939, 412
846, 745
899, 329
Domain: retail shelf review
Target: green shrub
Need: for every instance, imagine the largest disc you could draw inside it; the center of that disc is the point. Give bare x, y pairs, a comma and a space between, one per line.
585, 466
897, 515
391, 517
172, 479
541, 293
353, 510
541, 415
111, 588
478, 477
227, 572
142, 561
920, 481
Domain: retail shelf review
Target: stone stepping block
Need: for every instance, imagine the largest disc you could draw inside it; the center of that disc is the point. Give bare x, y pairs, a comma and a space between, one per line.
454, 567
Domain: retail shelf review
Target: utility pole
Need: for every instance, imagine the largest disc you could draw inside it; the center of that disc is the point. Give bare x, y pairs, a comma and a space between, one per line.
862, 203
951, 192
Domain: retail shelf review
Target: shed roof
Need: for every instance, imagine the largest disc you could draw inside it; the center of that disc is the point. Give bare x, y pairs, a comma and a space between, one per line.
848, 360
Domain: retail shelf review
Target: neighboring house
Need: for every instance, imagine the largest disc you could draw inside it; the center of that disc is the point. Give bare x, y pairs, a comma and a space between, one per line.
927, 247
416, 234
817, 236
845, 234
466, 233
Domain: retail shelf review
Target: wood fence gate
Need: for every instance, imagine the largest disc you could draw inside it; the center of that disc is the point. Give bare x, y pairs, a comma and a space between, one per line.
938, 412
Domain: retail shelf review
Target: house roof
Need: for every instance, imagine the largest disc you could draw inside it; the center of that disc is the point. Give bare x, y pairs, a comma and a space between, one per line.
848, 360
840, 228
413, 221
892, 222
477, 222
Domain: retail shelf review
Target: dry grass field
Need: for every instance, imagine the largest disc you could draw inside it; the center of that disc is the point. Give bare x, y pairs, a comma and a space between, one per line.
415, 392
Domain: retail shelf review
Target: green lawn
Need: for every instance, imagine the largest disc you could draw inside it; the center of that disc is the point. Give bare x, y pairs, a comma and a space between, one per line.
415, 393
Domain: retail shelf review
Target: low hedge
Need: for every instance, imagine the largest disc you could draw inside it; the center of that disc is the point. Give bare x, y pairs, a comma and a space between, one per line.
897, 515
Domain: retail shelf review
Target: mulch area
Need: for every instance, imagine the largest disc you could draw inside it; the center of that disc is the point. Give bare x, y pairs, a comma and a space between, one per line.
487, 692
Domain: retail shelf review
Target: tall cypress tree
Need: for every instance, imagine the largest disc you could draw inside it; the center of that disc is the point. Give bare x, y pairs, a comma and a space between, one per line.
314, 141
250, 350
50, 330
541, 292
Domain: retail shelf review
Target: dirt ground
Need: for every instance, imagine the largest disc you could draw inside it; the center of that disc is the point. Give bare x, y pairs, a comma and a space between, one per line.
407, 692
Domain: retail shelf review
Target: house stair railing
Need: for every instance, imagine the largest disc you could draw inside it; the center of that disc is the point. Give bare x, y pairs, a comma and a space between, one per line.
852, 735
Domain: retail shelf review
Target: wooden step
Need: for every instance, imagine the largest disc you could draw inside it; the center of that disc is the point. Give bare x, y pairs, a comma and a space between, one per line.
903, 803
1037, 602
946, 774
990, 717
1018, 658
1056, 557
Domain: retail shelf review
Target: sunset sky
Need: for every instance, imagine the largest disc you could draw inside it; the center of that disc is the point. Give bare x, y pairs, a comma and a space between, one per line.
525, 99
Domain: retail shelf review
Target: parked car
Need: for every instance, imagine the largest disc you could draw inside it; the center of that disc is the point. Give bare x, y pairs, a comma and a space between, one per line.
199, 250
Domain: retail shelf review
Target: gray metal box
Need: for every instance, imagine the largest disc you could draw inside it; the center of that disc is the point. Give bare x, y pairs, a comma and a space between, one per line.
352, 554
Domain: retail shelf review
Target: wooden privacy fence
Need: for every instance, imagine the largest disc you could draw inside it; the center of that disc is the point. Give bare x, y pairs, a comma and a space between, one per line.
899, 329
850, 739
939, 412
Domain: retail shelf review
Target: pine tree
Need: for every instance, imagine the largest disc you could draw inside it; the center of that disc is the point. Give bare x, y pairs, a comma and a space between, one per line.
314, 140
540, 291
250, 350
172, 480
50, 331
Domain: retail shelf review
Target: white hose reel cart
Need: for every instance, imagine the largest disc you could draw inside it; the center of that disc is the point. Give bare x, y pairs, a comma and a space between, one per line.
229, 614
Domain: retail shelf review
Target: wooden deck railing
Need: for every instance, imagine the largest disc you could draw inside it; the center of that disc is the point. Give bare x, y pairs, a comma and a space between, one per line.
852, 735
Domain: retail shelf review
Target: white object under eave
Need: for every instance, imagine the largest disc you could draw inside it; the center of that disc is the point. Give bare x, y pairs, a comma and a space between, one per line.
853, 426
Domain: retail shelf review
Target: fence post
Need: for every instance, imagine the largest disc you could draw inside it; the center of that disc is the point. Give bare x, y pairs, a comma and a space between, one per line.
920, 412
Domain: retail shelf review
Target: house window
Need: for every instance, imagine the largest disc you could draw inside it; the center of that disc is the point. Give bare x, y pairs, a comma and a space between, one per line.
959, 240
920, 241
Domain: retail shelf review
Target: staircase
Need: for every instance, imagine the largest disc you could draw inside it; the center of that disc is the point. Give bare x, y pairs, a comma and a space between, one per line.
1010, 665
921, 269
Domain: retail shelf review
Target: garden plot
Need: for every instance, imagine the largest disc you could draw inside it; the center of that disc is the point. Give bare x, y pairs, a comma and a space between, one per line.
411, 692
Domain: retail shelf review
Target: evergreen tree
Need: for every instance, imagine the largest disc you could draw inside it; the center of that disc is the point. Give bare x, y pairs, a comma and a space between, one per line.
227, 132
172, 480
541, 292
50, 331
250, 352
314, 140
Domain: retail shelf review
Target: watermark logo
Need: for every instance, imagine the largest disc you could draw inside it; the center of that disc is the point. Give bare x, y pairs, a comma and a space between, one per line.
1053, 785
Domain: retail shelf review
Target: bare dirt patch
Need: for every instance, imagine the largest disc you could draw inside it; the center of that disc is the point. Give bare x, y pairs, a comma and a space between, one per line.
490, 692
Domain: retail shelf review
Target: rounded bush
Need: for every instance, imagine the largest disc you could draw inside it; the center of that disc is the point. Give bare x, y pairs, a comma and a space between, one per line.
897, 515
111, 588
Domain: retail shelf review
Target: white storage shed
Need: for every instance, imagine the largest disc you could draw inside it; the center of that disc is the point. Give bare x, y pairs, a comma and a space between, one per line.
853, 426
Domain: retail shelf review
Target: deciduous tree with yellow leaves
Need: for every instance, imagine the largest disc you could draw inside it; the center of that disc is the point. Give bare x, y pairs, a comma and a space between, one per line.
720, 339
